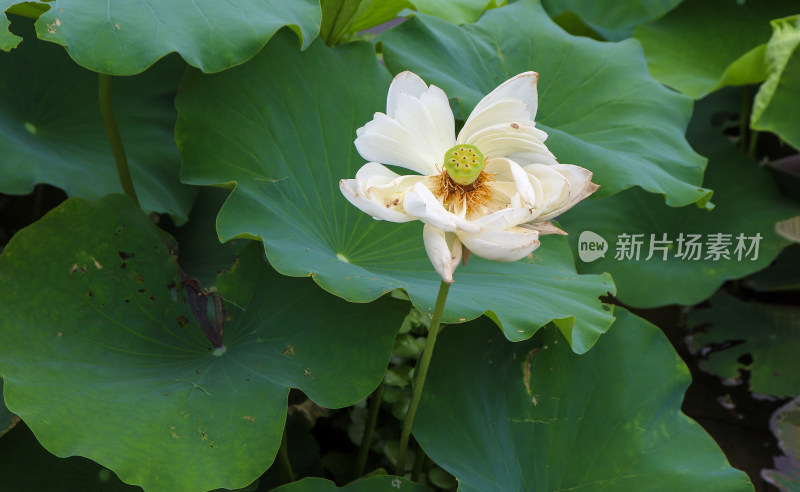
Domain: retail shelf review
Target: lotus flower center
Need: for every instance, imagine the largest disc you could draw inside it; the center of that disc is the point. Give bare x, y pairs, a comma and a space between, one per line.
464, 164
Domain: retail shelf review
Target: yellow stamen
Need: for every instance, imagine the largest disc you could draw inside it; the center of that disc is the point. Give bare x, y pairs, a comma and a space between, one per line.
472, 196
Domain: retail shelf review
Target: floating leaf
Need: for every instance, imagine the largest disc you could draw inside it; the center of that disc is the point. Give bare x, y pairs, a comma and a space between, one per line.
126, 38
51, 131
534, 416
777, 100
383, 483
706, 44
157, 404
597, 102
615, 18
765, 331
285, 137
676, 262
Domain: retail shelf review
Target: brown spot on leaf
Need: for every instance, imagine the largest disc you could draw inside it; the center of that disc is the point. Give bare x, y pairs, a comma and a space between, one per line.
289, 350
183, 321
123, 255
527, 371
60, 334
514, 126
249, 419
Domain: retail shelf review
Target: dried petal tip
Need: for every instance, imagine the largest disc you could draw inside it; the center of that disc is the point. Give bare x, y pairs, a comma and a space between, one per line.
464, 163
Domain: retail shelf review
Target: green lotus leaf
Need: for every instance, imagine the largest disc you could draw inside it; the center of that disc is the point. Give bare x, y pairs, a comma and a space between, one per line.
780, 276
32, 9
617, 19
676, 262
382, 483
778, 98
104, 357
706, 44
202, 255
767, 332
51, 131
597, 102
125, 38
339, 16
378, 12
457, 11
535, 416
8, 40
27, 466
285, 137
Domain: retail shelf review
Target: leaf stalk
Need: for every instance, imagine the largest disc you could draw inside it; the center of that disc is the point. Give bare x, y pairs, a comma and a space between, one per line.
112, 132
286, 471
369, 430
419, 377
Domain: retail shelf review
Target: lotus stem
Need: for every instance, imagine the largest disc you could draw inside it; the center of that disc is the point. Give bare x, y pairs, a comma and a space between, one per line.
286, 472
369, 429
419, 377
112, 132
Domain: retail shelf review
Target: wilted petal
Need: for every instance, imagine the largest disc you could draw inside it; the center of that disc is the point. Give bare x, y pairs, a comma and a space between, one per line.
379, 192
421, 203
544, 228
444, 250
563, 185
504, 245
504, 219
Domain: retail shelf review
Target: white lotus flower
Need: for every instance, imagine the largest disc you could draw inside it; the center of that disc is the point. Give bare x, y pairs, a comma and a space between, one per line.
490, 190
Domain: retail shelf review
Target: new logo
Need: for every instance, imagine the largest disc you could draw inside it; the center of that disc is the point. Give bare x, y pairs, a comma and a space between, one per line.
591, 246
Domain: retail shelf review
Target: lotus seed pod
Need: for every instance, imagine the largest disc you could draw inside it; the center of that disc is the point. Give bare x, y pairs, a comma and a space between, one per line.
464, 164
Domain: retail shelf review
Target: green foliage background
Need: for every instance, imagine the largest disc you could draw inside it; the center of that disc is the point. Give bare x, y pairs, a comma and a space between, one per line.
238, 122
